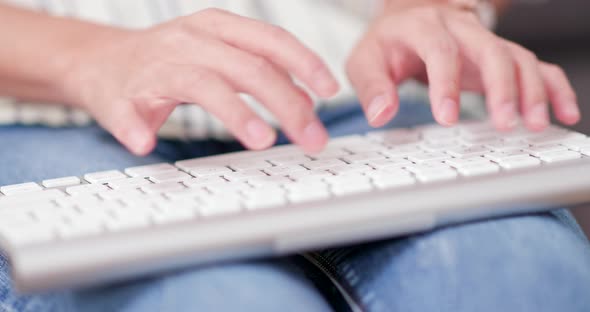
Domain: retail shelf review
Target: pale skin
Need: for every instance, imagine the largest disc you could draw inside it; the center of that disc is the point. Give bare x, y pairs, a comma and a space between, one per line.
131, 80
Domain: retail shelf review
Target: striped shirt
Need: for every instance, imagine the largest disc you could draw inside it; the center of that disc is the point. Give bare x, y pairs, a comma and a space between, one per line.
330, 28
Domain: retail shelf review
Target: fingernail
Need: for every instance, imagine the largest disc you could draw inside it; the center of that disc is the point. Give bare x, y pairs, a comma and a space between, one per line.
573, 111
539, 116
260, 133
449, 112
507, 116
377, 107
325, 82
315, 134
140, 142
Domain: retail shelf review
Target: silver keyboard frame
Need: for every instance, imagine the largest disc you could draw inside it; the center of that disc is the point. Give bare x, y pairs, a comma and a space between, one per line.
276, 232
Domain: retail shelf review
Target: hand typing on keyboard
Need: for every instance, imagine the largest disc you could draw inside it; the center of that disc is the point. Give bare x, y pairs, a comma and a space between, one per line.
447, 46
131, 81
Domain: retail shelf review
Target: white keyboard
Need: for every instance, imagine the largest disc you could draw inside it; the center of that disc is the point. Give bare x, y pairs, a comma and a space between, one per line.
111, 225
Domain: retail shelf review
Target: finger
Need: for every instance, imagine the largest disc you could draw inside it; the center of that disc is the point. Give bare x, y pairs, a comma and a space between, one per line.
440, 53
368, 73
125, 123
257, 76
271, 42
561, 93
533, 97
497, 70
214, 94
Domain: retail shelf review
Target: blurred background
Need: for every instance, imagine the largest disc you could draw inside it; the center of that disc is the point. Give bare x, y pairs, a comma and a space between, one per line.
559, 32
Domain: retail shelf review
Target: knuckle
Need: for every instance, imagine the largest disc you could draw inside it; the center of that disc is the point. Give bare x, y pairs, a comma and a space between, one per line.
496, 48
526, 55
277, 33
428, 14
555, 69
259, 67
197, 77
211, 13
446, 46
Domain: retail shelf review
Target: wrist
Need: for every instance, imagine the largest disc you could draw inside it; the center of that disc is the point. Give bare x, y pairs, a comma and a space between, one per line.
81, 59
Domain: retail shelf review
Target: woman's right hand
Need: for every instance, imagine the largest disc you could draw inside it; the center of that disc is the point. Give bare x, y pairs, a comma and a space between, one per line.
130, 81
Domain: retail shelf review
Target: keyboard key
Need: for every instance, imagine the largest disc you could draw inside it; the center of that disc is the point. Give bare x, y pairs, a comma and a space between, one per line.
249, 165
128, 220
20, 188
284, 170
265, 202
390, 163
556, 138
426, 156
428, 167
129, 183
16, 218
388, 180
363, 158
187, 193
206, 171
347, 169
468, 152
20, 236
87, 189
349, 178
33, 198
302, 188
310, 175
61, 182
119, 194
364, 148
577, 145
403, 152
146, 171
465, 162
439, 146
500, 146
290, 160
436, 175
172, 215
559, 156
478, 169
220, 206
227, 187
397, 136
244, 175
311, 196
507, 154
171, 176
78, 228
329, 153
204, 181
519, 162
538, 150
104, 176
323, 164
162, 187
266, 180
351, 188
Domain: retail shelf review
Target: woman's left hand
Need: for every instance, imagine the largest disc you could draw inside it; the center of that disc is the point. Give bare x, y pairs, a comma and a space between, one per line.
451, 50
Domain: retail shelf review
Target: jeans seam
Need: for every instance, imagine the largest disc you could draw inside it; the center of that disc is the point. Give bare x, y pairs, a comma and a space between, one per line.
326, 267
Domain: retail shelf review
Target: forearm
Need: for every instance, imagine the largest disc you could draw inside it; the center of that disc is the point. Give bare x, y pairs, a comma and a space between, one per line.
37, 51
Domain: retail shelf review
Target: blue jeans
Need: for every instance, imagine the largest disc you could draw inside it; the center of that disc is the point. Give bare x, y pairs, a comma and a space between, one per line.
538, 262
